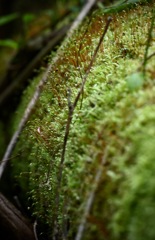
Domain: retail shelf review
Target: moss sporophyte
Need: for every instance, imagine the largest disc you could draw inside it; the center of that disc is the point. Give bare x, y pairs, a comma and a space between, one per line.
96, 104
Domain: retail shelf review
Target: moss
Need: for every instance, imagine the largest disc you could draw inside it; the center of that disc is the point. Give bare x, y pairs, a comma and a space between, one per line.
111, 116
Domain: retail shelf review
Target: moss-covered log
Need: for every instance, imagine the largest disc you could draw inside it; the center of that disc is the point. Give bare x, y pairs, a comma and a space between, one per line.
100, 184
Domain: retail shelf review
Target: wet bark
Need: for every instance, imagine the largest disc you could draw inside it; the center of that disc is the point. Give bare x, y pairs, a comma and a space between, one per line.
14, 226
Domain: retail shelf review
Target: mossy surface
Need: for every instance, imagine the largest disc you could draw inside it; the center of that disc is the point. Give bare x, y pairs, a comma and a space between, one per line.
115, 115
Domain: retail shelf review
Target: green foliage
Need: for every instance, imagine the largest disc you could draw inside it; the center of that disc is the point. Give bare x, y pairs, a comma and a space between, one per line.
137, 204
8, 18
9, 43
27, 18
114, 115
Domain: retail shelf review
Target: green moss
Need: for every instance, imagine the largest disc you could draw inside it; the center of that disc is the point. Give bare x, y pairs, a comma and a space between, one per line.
113, 115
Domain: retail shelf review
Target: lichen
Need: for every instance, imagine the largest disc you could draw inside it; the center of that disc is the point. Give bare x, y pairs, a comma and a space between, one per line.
113, 115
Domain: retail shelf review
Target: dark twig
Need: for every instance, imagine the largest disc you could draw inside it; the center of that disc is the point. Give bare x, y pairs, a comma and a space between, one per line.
91, 197
91, 62
78, 55
150, 56
142, 65
71, 111
80, 47
21, 126
70, 105
148, 42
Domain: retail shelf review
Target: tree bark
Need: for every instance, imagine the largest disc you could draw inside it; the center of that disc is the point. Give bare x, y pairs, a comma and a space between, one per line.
14, 226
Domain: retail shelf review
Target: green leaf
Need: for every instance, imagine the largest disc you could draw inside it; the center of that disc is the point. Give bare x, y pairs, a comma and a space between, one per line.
28, 17
135, 81
8, 18
8, 43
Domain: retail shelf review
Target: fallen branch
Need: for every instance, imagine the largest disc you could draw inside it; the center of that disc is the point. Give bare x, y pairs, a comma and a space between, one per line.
14, 226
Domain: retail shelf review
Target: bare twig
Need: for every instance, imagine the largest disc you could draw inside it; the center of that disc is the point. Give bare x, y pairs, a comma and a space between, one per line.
91, 198
148, 41
91, 62
78, 55
150, 56
36, 95
71, 111
35, 230
21, 126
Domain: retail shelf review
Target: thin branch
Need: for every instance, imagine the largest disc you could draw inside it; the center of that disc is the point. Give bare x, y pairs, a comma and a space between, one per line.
80, 46
22, 123
35, 230
148, 41
36, 95
91, 198
150, 56
70, 105
78, 55
91, 62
